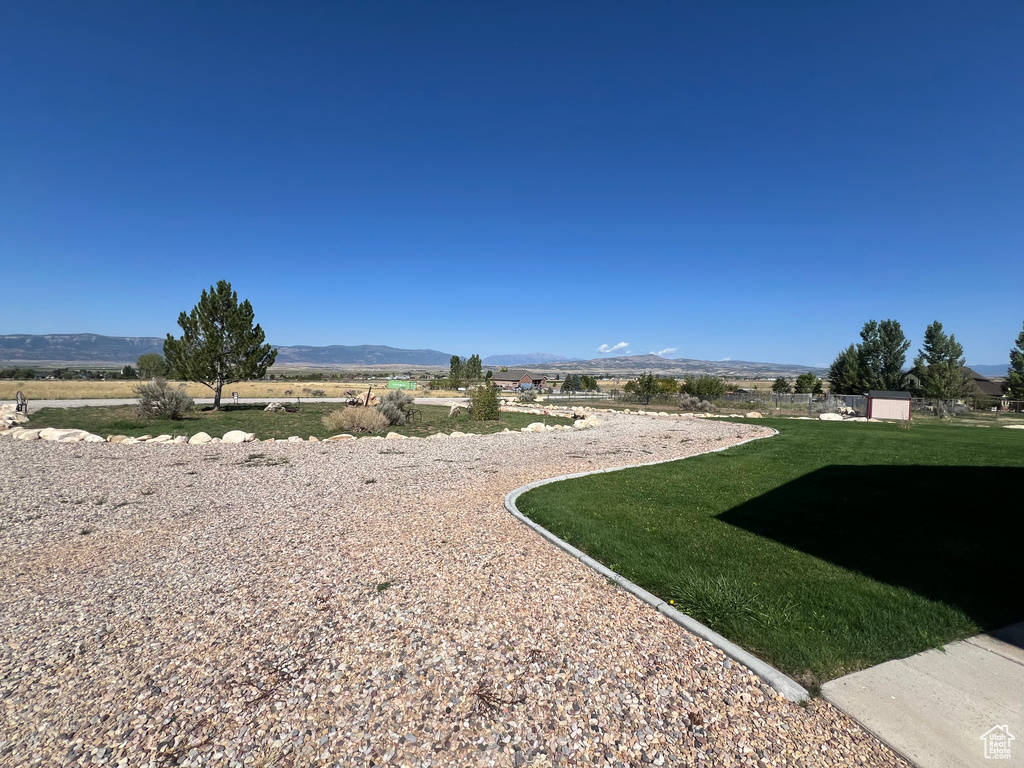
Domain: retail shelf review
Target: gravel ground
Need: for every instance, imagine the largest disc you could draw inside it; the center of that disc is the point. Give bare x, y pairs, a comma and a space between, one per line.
364, 603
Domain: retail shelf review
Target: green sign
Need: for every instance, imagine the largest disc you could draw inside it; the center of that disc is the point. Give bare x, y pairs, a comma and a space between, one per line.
397, 384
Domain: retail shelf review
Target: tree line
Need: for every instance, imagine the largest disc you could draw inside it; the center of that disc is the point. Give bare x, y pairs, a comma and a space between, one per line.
877, 363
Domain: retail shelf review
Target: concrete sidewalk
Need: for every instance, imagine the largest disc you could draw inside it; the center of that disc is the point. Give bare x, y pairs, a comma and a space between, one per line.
935, 707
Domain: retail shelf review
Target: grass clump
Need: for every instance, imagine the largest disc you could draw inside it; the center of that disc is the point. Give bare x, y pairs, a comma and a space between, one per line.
355, 419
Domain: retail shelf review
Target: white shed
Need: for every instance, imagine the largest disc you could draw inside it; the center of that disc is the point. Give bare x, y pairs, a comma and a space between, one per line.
883, 404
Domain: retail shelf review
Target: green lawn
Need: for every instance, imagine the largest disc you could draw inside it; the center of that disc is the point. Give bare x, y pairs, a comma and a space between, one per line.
826, 549
121, 420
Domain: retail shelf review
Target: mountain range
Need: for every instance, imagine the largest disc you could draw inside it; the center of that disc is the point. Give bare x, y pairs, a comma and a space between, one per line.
529, 358
120, 350
91, 348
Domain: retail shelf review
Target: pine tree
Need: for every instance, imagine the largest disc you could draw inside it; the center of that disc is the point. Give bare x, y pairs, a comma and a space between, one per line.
882, 354
1015, 378
844, 374
940, 365
808, 383
220, 344
781, 386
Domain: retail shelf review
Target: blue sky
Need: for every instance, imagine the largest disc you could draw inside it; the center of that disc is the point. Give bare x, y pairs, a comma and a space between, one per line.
746, 180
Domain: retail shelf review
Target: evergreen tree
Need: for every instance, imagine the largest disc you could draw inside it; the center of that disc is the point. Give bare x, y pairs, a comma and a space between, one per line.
808, 383
882, 354
844, 374
940, 366
220, 344
1015, 378
781, 386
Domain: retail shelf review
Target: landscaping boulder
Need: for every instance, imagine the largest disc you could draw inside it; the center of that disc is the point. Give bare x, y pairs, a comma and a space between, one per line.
199, 438
753, 415
274, 407
830, 417
63, 435
238, 436
117, 438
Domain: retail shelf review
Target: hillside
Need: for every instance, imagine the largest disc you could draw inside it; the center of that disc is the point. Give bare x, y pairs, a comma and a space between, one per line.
527, 358
119, 350
634, 364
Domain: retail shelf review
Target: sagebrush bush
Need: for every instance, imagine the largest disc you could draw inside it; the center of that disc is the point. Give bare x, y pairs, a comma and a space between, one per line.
527, 396
486, 406
355, 419
393, 406
691, 403
158, 400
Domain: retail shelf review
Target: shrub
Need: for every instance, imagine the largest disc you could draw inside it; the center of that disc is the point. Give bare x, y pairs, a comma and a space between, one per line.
485, 403
691, 403
355, 419
705, 387
527, 396
157, 400
393, 406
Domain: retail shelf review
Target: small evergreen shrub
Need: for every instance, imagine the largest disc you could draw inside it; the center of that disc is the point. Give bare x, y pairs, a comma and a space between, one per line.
355, 419
486, 406
393, 406
158, 400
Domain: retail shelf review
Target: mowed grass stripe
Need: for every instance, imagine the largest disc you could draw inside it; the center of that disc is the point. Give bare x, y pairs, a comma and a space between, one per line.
826, 549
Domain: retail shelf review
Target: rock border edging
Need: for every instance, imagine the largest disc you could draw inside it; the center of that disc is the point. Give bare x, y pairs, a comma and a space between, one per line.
781, 682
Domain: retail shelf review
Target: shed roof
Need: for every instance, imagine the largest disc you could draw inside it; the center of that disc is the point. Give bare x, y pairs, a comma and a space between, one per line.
888, 394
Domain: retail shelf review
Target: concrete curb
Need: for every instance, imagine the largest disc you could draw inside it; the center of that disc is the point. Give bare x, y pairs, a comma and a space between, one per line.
784, 684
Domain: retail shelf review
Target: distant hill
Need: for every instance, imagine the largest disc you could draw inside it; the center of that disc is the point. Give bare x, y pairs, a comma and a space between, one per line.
634, 364
528, 358
77, 347
988, 371
119, 350
362, 354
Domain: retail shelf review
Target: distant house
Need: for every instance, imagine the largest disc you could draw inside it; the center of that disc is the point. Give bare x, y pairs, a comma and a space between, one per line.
516, 378
884, 404
987, 388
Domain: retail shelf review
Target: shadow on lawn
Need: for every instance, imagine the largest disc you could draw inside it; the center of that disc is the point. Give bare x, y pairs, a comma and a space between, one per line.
951, 534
